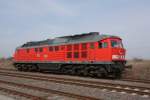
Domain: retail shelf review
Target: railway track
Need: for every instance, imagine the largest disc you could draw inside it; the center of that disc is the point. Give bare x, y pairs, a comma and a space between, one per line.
71, 95
139, 90
18, 93
124, 79
136, 80
8, 69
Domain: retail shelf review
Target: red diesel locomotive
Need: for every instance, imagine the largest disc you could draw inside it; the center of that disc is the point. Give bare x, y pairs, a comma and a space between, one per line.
86, 54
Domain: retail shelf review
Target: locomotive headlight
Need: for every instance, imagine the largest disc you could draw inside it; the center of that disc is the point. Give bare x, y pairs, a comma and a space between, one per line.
115, 56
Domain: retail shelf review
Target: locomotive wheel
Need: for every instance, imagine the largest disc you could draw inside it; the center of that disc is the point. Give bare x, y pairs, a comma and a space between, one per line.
34, 67
29, 68
91, 71
118, 71
103, 73
117, 74
73, 71
69, 70
79, 70
25, 68
19, 68
62, 70
85, 72
98, 73
66, 69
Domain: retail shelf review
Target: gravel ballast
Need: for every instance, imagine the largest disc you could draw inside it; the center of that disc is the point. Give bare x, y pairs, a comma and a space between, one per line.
94, 92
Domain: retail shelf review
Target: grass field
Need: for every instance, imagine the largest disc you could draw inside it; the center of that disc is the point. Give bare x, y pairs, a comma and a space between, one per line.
8, 64
140, 69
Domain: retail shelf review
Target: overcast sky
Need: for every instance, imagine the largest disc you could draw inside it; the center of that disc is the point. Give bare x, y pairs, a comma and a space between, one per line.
27, 20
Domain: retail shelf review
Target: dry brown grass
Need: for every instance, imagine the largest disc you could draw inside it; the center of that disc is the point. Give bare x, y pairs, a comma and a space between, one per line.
8, 64
140, 70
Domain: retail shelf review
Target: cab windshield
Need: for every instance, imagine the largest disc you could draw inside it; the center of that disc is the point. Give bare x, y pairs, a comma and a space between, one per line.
116, 44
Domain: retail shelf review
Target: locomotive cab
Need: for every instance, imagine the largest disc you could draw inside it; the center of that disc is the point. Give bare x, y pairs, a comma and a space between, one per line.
111, 49
114, 47
118, 51
117, 55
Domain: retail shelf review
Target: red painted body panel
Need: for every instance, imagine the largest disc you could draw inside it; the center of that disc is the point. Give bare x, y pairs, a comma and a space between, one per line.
79, 52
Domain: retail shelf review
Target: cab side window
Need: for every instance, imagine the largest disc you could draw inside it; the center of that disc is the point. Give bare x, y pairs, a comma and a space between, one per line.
105, 45
99, 44
36, 49
41, 49
102, 44
56, 48
92, 46
50, 48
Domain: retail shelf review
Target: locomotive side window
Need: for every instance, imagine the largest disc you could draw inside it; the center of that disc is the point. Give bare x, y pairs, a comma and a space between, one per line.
41, 49
56, 48
99, 44
105, 45
116, 44
102, 44
69, 55
69, 47
92, 45
76, 54
50, 48
84, 46
36, 49
63, 47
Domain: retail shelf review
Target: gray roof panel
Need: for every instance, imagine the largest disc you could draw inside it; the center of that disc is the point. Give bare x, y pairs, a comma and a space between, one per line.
88, 37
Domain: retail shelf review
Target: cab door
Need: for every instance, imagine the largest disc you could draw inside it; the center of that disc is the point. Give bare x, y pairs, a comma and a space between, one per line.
103, 51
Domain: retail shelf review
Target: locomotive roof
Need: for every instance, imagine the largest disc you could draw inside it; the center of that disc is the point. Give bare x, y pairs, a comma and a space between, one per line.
86, 37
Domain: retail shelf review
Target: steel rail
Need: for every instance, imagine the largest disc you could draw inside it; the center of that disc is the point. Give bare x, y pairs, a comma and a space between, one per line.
14, 92
136, 80
72, 95
85, 83
123, 79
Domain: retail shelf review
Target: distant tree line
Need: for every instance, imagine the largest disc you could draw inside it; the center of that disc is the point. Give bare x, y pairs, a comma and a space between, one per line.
3, 59
137, 59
